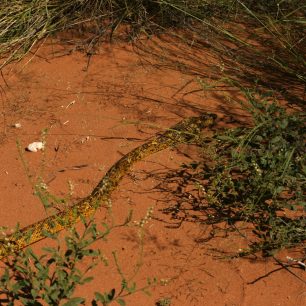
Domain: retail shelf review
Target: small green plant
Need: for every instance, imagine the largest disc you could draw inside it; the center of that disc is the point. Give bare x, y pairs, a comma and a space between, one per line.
53, 276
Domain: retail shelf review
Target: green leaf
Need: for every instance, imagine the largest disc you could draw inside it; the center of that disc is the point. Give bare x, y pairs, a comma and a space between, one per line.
111, 294
34, 293
75, 301
224, 138
121, 302
124, 284
36, 283
132, 288
276, 139
100, 297
87, 280
284, 123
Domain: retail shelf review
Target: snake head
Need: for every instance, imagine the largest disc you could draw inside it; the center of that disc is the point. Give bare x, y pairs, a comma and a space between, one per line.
198, 123
189, 130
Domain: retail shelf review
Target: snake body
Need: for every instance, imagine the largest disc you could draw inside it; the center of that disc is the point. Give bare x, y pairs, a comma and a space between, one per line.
186, 131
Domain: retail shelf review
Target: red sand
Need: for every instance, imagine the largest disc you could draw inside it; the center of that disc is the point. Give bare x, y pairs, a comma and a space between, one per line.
88, 114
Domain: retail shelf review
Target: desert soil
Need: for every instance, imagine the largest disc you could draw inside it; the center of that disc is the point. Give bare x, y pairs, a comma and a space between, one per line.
92, 112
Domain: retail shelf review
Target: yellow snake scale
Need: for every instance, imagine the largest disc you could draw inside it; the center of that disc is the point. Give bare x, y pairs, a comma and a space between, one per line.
186, 131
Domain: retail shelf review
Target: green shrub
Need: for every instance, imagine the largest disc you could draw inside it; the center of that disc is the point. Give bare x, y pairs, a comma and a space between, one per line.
254, 176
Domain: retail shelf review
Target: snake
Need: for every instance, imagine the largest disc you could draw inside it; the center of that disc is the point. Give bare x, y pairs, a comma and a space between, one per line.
186, 131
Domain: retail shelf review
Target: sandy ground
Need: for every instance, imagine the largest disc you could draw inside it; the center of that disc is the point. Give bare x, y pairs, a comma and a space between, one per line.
92, 113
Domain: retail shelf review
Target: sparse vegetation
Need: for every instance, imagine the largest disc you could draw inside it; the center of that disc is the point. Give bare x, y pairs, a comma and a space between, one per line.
53, 277
256, 174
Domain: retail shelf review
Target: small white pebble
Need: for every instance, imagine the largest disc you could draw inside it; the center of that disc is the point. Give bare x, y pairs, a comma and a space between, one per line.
35, 146
17, 125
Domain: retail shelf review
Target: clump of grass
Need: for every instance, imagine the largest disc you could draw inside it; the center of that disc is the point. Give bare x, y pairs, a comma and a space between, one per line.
257, 44
25, 23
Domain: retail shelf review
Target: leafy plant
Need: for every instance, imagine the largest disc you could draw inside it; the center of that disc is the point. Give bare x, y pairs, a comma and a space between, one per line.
53, 276
254, 175
261, 175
